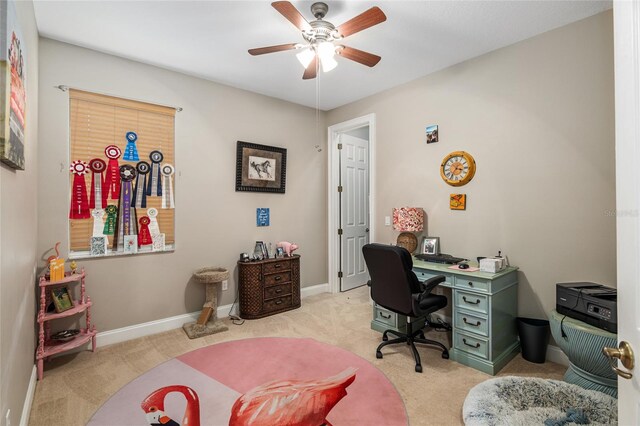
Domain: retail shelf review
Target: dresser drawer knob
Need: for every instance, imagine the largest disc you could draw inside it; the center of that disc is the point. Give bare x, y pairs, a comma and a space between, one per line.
279, 302
385, 317
279, 290
278, 278
464, 319
277, 265
476, 346
470, 284
470, 302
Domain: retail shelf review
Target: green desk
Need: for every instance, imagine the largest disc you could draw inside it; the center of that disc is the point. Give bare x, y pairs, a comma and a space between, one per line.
483, 308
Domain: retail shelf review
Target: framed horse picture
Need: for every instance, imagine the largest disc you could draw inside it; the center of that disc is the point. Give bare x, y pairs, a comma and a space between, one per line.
260, 168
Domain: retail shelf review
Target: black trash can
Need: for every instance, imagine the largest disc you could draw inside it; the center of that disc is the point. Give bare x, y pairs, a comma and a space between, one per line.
534, 338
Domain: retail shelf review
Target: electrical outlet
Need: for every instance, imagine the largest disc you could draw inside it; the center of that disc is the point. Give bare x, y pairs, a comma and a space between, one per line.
225, 285
387, 221
7, 418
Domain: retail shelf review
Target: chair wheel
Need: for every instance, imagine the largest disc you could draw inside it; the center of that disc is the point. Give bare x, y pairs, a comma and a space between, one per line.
445, 355
421, 335
378, 354
418, 369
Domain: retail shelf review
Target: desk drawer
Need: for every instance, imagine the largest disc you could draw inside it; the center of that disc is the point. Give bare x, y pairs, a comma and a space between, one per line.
385, 316
473, 323
425, 275
472, 301
281, 265
473, 345
277, 278
473, 283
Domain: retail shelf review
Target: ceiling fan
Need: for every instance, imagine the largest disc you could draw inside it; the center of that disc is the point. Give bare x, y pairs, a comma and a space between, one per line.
320, 36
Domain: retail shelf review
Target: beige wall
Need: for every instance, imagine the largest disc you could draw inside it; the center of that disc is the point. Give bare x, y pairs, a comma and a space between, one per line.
538, 117
18, 226
213, 222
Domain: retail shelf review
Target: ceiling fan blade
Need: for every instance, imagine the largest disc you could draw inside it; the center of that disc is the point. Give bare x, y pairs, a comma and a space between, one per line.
291, 13
362, 57
272, 49
312, 69
363, 21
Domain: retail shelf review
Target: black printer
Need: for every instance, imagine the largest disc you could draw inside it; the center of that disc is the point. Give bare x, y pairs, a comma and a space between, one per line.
592, 303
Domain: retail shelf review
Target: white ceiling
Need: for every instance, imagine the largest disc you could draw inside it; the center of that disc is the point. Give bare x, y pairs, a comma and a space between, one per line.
210, 39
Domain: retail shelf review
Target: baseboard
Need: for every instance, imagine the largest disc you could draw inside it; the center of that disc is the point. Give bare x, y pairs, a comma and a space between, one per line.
153, 327
314, 289
555, 354
28, 399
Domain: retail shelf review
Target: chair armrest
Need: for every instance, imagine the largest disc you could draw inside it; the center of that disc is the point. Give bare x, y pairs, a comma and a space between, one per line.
430, 284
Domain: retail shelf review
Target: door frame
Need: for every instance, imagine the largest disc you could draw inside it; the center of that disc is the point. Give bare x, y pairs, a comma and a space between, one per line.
332, 190
626, 21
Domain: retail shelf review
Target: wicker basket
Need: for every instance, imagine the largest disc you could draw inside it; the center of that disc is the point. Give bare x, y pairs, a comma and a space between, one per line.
211, 274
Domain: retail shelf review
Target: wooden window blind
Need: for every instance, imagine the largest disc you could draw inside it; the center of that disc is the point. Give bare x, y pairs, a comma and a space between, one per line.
97, 121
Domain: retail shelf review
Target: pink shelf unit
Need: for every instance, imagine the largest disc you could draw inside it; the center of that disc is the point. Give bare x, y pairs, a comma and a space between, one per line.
48, 347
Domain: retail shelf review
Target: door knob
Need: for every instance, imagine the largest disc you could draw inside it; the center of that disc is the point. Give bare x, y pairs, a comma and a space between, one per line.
366, 230
625, 354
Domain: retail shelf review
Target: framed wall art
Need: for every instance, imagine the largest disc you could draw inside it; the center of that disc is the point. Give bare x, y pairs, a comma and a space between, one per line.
458, 201
432, 134
260, 168
13, 93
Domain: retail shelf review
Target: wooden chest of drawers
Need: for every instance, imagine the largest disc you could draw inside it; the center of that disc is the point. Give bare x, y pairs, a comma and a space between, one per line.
269, 286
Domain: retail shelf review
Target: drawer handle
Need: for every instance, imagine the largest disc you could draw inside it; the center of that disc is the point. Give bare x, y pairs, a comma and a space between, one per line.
476, 346
382, 315
278, 290
278, 278
469, 302
470, 284
277, 265
279, 302
470, 323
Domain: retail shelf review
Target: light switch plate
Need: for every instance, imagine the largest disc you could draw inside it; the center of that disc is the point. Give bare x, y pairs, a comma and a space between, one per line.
387, 220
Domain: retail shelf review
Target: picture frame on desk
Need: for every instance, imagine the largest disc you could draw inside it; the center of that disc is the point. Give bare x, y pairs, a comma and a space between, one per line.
430, 245
61, 298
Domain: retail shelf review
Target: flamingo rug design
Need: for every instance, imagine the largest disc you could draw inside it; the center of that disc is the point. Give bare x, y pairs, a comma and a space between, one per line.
153, 406
285, 402
267, 381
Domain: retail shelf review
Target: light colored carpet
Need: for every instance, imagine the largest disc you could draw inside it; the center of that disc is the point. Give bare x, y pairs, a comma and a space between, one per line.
75, 386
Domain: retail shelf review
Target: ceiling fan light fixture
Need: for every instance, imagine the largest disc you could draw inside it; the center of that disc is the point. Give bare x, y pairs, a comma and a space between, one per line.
328, 63
305, 57
326, 49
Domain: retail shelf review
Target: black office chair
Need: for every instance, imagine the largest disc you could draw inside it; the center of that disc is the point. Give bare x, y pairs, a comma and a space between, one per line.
395, 287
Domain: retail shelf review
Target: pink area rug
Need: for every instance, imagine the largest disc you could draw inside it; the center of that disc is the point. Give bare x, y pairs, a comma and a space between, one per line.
260, 382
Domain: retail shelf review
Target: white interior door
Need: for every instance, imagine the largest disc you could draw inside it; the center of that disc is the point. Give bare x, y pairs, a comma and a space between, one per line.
354, 210
626, 18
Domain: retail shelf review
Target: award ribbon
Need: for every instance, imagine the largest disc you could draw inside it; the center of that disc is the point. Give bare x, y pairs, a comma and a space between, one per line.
154, 229
97, 166
154, 185
131, 151
127, 224
167, 194
140, 191
110, 223
144, 235
112, 180
79, 203
98, 226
